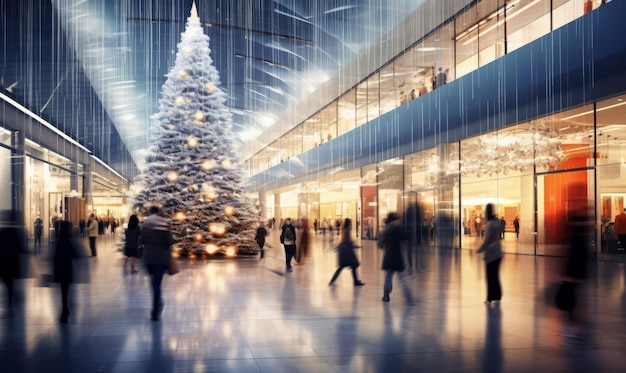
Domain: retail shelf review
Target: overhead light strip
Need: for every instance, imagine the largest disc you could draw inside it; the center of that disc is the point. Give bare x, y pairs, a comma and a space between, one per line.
591, 111
26, 111
108, 167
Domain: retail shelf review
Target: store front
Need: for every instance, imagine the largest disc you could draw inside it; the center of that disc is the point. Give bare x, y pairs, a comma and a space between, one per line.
537, 173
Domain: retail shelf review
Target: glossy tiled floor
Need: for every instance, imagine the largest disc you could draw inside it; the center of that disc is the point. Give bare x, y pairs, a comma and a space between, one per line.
249, 316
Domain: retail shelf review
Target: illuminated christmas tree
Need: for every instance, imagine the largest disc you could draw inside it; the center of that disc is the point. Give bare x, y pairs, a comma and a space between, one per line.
191, 168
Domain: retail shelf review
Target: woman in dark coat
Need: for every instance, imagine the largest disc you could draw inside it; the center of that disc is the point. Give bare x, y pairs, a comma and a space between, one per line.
346, 256
12, 246
492, 247
261, 233
393, 261
131, 247
64, 253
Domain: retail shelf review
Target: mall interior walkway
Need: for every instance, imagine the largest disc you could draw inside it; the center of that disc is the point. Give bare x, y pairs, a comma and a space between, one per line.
243, 315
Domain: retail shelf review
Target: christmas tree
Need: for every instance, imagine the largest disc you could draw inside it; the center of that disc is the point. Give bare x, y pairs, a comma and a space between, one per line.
191, 168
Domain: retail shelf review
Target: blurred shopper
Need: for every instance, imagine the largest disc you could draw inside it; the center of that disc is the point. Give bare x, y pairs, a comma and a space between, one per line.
393, 261
329, 224
492, 247
11, 237
620, 227
261, 233
569, 299
346, 256
92, 232
412, 220
65, 251
156, 240
38, 234
288, 239
303, 244
131, 246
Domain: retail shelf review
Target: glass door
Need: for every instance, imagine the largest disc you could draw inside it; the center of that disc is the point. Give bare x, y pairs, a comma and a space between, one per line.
564, 200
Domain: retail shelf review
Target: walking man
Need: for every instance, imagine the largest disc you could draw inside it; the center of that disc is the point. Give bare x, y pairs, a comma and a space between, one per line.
288, 239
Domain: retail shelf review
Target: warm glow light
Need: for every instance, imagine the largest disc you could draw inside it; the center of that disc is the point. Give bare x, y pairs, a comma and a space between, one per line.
231, 251
183, 74
217, 229
209, 86
172, 176
198, 116
227, 163
180, 100
208, 164
209, 192
198, 237
229, 210
187, 51
192, 141
180, 216
212, 248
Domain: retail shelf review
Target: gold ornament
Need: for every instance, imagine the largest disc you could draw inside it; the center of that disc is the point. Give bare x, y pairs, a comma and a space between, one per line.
227, 163
208, 164
192, 141
217, 229
172, 176
231, 251
229, 210
212, 248
209, 192
198, 117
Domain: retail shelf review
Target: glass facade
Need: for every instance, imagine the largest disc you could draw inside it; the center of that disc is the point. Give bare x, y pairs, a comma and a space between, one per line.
412, 134
531, 169
47, 185
477, 36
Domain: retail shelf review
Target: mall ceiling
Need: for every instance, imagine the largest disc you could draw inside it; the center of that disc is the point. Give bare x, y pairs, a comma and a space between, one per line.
94, 68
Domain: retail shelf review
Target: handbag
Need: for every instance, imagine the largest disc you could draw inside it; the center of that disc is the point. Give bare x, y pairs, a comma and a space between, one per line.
172, 267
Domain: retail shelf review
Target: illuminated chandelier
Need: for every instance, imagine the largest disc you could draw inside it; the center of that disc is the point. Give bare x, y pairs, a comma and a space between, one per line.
517, 150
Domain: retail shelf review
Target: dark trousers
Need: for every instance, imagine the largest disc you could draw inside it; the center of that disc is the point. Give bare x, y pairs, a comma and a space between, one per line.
261, 250
156, 278
65, 296
37, 244
622, 239
92, 245
338, 271
290, 253
494, 291
9, 281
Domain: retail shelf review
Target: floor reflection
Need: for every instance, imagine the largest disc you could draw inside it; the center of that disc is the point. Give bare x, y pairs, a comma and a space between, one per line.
247, 315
